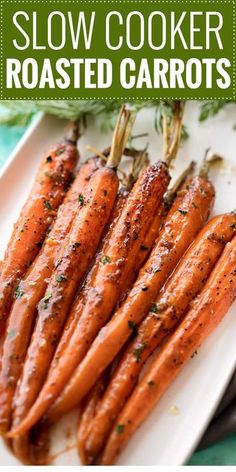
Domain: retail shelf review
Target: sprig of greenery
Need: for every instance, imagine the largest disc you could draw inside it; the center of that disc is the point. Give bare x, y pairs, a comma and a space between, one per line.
16, 113
19, 112
212, 108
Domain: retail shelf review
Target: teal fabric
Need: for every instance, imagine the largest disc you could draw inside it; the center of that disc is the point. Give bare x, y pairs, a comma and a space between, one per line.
223, 453
8, 140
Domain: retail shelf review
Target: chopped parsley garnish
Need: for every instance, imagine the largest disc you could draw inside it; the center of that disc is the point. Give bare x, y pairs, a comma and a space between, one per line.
183, 212
45, 300
48, 205
138, 351
155, 271
154, 308
49, 159
106, 260
105, 192
19, 292
120, 428
81, 199
61, 278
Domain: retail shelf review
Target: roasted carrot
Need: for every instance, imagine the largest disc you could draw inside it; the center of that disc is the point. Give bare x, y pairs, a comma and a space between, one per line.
178, 231
206, 312
88, 412
114, 265
174, 299
72, 263
141, 161
51, 182
155, 226
31, 289
117, 264
78, 305
23, 447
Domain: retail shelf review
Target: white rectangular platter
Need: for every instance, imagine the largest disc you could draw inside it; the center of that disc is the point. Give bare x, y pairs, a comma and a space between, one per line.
164, 439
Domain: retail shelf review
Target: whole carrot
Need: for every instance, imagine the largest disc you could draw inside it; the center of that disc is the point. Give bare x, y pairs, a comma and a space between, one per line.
27, 452
116, 265
141, 161
89, 408
31, 289
51, 182
121, 199
88, 411
185, 283
207, 311
72, 263
178, 231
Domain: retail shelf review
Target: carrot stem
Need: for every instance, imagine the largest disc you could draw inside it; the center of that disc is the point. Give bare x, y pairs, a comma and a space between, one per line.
171, 194
172, 130
121, 134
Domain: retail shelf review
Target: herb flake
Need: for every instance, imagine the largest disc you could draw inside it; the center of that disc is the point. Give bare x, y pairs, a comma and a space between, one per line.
48, 205
120, 428
154, 308
45, 300
81, 199
61, 278
106, 260
18, 292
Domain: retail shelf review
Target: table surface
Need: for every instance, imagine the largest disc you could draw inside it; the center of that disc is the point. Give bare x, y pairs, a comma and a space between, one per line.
222, 453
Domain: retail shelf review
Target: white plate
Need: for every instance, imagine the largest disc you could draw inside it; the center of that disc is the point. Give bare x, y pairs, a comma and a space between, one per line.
163, 439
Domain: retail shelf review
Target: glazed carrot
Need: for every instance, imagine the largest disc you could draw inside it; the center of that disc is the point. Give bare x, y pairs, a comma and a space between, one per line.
51, 182
78, 305
207, 311
31, 289
72, 263
24, 449
178, 231
21, 445
156, 224
141, 161
116, 265
185, 283
88, 412
89, 408
118, 257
